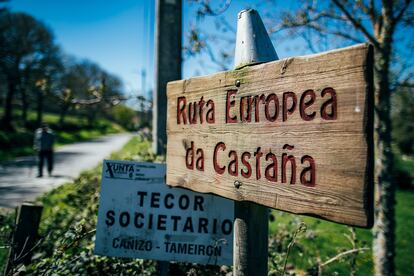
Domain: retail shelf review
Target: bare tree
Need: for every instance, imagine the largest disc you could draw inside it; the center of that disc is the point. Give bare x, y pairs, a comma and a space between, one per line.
217, 45
87, 87
328, 24
23, 41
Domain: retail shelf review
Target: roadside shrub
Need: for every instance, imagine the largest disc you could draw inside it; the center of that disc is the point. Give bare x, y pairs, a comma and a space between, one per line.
15, 139
403, 178
68, 231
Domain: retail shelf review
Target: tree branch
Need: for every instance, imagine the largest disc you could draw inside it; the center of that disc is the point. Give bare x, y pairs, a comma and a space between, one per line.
357, 24
320, 29
343, 254
406, 82
370, 10
225, 23
345, 35
409, 20
313, 22
207, 10
401, 13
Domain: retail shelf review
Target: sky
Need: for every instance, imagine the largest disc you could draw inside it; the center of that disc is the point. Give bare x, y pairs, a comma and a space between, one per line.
201, 66
119, 34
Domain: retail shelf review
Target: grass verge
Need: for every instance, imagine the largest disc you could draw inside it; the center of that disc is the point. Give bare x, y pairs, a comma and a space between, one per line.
323, 240
70, 214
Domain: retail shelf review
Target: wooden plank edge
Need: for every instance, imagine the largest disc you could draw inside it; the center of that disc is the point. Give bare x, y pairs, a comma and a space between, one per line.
182, 82
369, 137
367, 223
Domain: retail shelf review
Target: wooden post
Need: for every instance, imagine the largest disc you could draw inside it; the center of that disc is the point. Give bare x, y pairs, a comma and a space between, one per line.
24, 236
250, 239
167, 68
163, 268
167, 65
251, 225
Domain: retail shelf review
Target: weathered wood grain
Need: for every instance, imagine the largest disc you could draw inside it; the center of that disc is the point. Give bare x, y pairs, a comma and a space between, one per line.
342, 148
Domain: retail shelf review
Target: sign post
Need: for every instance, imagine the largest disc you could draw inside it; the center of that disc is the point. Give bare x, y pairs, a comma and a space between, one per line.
251, 224
141, 217
167, 64
295, 135
25, 236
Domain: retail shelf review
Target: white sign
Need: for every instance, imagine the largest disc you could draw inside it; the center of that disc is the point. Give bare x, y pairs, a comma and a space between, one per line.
141, 217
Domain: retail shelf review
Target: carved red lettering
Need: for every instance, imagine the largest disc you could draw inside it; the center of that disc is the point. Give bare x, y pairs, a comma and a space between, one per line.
271, 169
305, 104
190, 154
288, 111
248, 116
229, 104
258, 155
200, 160
210, 113
233, 167
192, 113
332, 102
217, 168
257, 100
272, 98
248, 172
201, 109
310, 169
285, 160
181, 103
271, 172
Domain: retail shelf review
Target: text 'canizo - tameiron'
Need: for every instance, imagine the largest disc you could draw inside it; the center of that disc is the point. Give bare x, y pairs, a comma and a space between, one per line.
294, 134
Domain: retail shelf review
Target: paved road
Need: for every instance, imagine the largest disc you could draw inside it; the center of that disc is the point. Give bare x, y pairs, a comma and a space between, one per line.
18, 180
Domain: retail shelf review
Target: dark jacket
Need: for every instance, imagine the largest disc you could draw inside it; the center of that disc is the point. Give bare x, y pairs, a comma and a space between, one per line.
43, 140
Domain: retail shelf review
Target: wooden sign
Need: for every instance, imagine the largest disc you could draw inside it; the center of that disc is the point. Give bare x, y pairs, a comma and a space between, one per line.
141, 217
294, 135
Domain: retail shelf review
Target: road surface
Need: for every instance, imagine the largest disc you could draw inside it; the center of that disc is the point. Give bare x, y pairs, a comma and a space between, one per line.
18, 180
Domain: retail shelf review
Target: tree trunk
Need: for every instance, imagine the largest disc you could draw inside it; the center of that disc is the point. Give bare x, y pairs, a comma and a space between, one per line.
24, 91
8, 107
384, 229
91, 118
25, 105
64, 109
62, 116
39, 108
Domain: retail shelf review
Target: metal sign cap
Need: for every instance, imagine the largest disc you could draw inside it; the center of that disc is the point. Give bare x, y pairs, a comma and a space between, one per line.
253, 44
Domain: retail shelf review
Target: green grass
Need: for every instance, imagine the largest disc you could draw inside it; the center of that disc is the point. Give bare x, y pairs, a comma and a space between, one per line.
72, 202
75, 204
405, 163
405, 234
6, 222
66, 196
326, 239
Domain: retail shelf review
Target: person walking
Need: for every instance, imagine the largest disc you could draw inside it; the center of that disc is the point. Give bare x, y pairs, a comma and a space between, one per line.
43, 144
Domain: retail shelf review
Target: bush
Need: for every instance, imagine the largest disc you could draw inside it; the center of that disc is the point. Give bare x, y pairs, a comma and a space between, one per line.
125, 116
15, 139
403, 171
403, 178
402, 120
68, 227
69, 220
